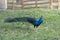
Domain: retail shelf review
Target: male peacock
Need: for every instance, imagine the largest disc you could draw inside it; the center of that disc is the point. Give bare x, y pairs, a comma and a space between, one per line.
37, 22
33, 21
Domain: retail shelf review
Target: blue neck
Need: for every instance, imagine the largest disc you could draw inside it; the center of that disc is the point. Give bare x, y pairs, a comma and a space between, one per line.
39, 19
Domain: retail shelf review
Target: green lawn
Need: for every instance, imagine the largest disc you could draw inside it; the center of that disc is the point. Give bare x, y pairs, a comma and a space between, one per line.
48, 30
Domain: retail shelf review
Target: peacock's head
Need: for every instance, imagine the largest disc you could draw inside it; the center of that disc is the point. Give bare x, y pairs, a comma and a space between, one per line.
41, 16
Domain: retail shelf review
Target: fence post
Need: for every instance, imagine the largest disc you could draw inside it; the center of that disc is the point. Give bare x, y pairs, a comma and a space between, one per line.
3, 4
58, 4
13, 4
22, 4
51, 4
36, 3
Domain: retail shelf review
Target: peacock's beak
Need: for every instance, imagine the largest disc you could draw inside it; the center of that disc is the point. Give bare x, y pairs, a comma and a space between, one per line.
41, 16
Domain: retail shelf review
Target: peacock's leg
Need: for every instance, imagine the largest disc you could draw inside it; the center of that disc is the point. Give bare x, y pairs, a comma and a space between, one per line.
34, 26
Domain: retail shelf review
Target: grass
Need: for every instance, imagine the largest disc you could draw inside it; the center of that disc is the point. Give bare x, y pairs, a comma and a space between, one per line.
48, 30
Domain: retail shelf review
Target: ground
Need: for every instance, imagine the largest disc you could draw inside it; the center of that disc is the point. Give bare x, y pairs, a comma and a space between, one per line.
48, 30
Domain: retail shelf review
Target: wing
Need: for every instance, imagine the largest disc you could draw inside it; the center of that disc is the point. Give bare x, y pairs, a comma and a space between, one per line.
31, 20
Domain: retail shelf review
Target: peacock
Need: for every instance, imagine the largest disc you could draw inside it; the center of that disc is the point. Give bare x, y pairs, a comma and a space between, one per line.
33, 21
